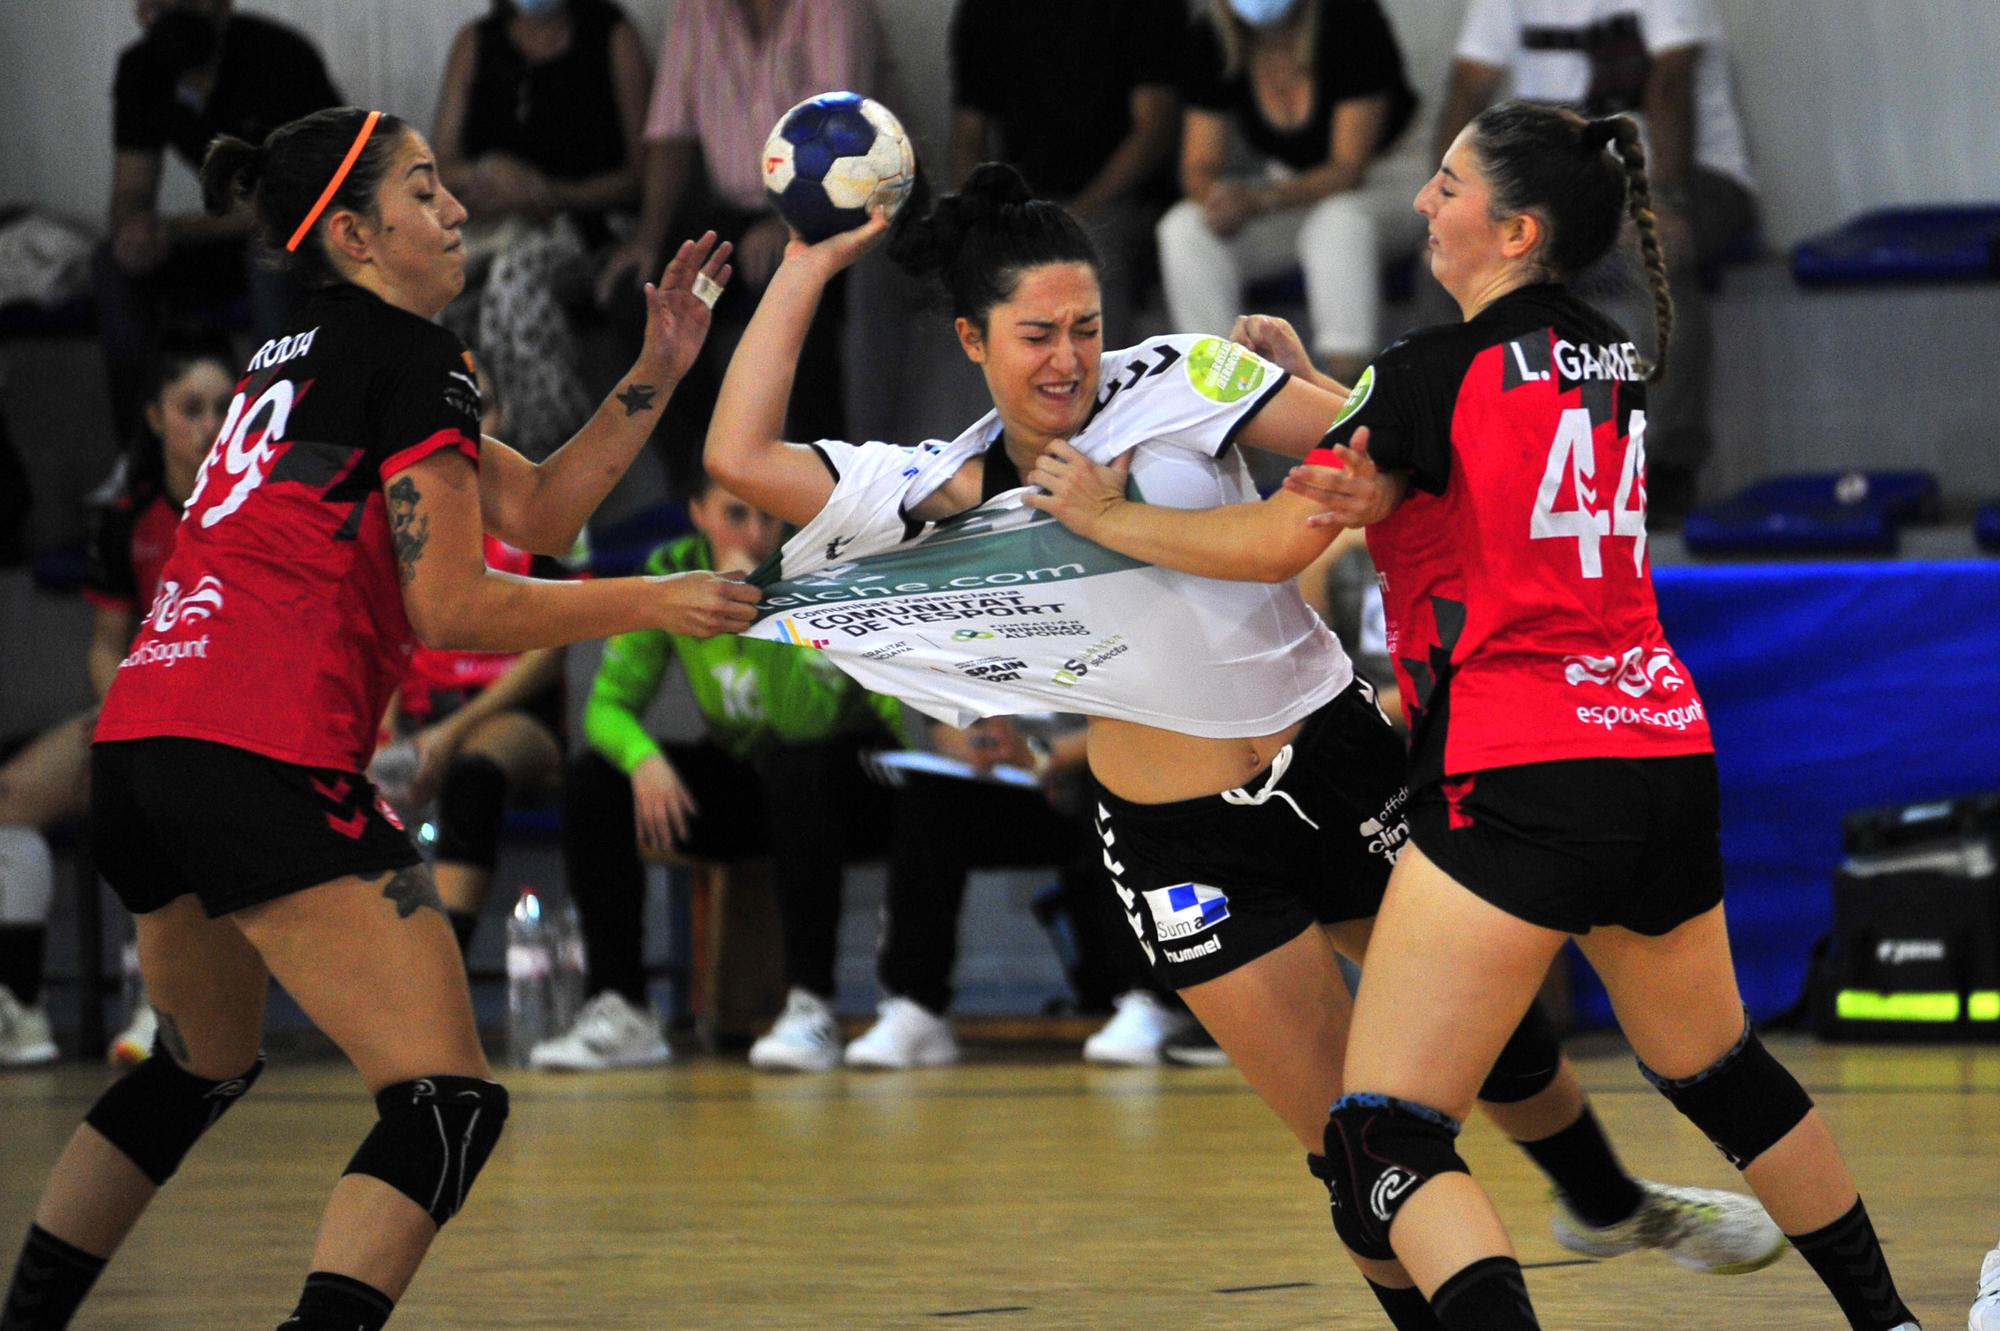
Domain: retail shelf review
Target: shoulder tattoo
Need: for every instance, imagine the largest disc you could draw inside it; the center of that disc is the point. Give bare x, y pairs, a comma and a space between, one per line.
410, 530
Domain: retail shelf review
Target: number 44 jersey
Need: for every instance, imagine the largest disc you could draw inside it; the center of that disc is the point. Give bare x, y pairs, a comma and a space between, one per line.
1521, 616
278, 626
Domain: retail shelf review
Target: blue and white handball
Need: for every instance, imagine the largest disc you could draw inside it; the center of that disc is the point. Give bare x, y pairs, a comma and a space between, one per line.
833, 159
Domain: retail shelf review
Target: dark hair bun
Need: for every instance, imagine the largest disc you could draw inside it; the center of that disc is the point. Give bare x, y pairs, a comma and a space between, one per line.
930, 231
229, 173
1597, 133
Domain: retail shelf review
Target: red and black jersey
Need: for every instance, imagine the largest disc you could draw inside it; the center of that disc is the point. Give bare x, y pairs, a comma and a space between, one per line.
1520, 606
278, 626
130, 539
434, 670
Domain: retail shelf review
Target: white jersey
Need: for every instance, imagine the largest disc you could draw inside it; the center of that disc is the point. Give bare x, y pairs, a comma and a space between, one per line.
1001, 610
1593, 55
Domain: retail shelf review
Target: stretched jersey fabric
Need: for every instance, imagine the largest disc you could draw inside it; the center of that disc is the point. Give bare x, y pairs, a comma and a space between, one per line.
279, 626
752, 695
436, 669
130, 539
1002, 610
1521, 616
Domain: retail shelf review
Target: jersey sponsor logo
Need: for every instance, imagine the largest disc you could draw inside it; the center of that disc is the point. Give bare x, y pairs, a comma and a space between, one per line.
1185, 909
789, 631
1903, 951
737, 683
1638, 672
461, 393
1089, 659
1222, 371
1357, 396
1060, 628
969, 635
884, 652
1196, 952
169, 654
172, 607
279, 350
1389, 830
992, 669
1660, 718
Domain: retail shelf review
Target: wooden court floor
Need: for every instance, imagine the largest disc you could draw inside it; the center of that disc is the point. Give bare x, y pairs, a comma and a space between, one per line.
1021, 1190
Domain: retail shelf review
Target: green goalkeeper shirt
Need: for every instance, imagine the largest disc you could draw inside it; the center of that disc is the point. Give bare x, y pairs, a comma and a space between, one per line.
753, 695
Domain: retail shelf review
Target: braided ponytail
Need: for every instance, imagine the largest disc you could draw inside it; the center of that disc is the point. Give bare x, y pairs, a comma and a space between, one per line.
1639, 196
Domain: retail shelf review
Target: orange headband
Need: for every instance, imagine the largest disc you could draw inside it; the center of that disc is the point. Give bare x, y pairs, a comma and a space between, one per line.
333, 186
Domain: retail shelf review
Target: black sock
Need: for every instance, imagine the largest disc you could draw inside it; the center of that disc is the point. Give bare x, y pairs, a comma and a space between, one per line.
1580, 1161
50, 1281
1848, 1258
1406, 1308
1489, 1295
463, 923
339, 1303
22, 947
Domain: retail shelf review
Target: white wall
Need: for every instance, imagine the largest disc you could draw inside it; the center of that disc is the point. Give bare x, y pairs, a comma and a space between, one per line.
1851, 103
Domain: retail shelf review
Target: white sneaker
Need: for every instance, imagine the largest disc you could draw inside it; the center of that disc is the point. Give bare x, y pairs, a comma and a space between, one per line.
803, 1039
25, 1039
135, 1043
1985, 1314
904, 1035
1704, 1229
1137, 1034
609, 1033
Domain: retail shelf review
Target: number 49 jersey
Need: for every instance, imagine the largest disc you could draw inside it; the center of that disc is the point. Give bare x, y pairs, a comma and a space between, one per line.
278, 626
1521, 615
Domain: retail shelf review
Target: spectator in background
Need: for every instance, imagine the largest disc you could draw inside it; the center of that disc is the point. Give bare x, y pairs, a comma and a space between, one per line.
199, 71
778, 774
1090, 120
480, 726
944, 829
727, 70
1315, 88
1664, 62
186, 390
538, 135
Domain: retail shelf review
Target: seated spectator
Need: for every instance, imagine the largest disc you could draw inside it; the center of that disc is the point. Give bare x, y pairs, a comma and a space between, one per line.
944, 829
1664, 62
1091, 118
186, 392
1316, 90
778, 775
727, 70
538, 135
199, 71
480, 726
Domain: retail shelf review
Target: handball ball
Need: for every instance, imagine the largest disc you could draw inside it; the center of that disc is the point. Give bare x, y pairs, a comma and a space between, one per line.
832, 159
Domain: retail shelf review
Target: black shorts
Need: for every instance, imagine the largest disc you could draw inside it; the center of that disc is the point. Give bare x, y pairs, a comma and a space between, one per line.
1210, 884
170, 816
1632, 842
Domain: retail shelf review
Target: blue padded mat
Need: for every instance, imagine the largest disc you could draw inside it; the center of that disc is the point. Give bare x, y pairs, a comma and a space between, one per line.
1951, 242
1815, 512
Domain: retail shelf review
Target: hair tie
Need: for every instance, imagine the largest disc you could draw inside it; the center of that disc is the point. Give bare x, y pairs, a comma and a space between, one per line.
333, 186
1597, 133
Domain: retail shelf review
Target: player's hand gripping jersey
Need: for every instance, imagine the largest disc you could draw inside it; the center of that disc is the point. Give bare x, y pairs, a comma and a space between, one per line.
1002, 610
1521, 614
278, 626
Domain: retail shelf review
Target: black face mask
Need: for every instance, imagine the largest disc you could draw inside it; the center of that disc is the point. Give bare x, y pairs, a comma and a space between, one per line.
184, 40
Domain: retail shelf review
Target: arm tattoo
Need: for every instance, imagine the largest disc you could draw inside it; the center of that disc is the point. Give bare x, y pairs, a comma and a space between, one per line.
409, 529
412, 889
637, 398
171, 1039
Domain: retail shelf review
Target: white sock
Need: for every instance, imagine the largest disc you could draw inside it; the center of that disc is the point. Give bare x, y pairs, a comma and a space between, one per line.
27, 876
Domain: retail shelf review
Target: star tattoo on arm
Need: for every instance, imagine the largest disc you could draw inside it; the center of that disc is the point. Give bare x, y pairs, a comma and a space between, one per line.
637, 398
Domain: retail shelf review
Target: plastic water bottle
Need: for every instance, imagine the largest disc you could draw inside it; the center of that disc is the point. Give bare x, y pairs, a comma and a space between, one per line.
530, 978
568, 955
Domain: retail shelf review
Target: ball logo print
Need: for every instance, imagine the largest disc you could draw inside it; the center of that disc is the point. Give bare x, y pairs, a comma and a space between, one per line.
834, 158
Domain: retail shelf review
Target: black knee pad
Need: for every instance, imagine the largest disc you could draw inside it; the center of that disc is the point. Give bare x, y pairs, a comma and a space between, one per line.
432, 1139
1379, 1150
470, 806
1745, 1101
1528, 1063
157, 1112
